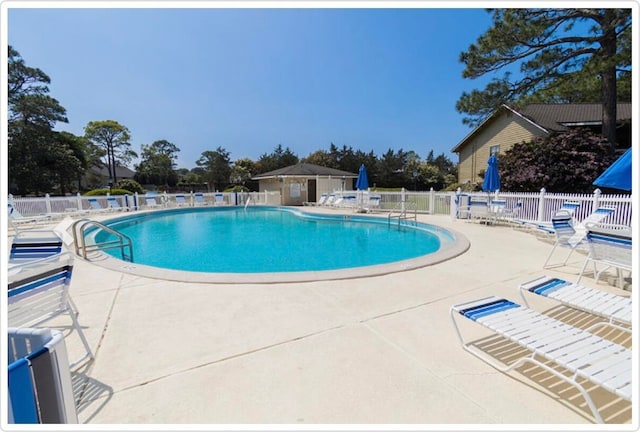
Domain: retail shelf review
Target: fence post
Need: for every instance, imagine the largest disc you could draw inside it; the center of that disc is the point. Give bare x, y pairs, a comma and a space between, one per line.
79, 200
596, 199
47, 202
453, 203
541, 205
432, 201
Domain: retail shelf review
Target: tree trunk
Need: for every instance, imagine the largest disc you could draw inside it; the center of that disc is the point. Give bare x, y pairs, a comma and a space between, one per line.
609, 84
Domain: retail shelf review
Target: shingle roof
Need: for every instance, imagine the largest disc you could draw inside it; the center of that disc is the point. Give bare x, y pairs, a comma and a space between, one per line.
305, 170
557, 117
121, 172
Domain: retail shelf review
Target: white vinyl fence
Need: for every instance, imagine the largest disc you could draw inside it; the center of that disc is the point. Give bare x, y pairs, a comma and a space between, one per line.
535, 206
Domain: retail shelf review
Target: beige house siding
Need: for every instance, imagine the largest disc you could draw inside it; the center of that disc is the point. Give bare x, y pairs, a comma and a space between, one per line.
294, 191
505, 130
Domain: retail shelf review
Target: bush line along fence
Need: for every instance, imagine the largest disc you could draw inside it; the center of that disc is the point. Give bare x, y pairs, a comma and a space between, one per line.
535, 206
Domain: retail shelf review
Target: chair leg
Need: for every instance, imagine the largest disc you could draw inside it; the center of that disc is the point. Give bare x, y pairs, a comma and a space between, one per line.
76, 325
545, 265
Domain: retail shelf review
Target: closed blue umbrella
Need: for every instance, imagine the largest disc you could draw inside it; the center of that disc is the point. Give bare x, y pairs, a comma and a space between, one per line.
362, 183
491, 181
618, 175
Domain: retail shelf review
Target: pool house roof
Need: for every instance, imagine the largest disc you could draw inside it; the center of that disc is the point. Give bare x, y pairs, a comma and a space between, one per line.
305, 170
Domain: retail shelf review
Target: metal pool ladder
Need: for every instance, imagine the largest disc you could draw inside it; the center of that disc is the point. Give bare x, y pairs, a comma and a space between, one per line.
122, 242
402, 212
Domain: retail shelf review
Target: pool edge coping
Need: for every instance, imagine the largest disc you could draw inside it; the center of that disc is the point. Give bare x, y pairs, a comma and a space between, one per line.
459, 246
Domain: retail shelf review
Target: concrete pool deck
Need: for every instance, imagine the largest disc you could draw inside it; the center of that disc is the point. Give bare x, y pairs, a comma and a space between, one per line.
368, 351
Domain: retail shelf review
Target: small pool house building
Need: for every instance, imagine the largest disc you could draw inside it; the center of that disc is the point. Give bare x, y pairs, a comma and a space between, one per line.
305, 182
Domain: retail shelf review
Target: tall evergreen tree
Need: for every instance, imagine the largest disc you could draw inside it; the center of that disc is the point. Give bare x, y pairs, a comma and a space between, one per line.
114, 139
561, 53
32, 116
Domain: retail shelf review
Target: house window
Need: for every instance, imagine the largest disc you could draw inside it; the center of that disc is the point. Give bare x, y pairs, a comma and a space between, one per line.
494, 150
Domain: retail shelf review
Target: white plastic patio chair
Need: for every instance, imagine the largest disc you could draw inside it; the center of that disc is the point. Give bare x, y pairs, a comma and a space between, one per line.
582, 354
563, 231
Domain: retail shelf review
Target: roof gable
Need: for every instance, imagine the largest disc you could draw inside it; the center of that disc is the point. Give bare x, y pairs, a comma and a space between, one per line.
554, 117
305, 170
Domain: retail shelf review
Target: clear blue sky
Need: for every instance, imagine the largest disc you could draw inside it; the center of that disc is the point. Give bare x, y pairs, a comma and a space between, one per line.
250, 79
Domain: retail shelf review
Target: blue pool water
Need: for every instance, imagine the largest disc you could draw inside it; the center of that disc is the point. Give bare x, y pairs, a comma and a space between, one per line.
269, 239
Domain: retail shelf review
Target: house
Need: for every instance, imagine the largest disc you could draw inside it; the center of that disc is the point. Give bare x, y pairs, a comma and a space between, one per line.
305, 182
98, 177
507, 126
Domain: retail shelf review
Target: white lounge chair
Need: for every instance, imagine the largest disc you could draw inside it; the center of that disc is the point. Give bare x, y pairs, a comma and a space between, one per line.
16, 218
323, 199
373, 203
219, 199
95, 205
40, 292
113, 204
198, 198
615, 308
582, 354
150, 201
547, 227
596, 217
479, 210
180, 200
610, 246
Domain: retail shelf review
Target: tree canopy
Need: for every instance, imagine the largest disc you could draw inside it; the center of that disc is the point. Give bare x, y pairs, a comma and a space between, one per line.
40, 160
113, 138
157, 165
561, 55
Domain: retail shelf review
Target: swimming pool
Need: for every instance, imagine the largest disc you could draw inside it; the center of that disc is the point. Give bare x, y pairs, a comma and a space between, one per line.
281, 241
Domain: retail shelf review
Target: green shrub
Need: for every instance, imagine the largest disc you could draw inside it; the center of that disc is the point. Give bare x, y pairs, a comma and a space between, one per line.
237, 189
100, 192
129, 185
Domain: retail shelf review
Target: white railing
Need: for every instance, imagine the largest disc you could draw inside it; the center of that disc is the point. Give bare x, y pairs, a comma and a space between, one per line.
535, 206
74, 204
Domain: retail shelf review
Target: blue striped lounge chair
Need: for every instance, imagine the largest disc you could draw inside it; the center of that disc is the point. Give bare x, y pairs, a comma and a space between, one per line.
615, 308
198, 198
564, 233
16, 218
95, 205
479, 210
547, 227
33, 246
180, 200
40, 292
609, 246
113, 203
580, 354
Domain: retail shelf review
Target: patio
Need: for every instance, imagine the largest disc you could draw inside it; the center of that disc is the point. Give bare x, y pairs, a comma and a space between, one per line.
376, 350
